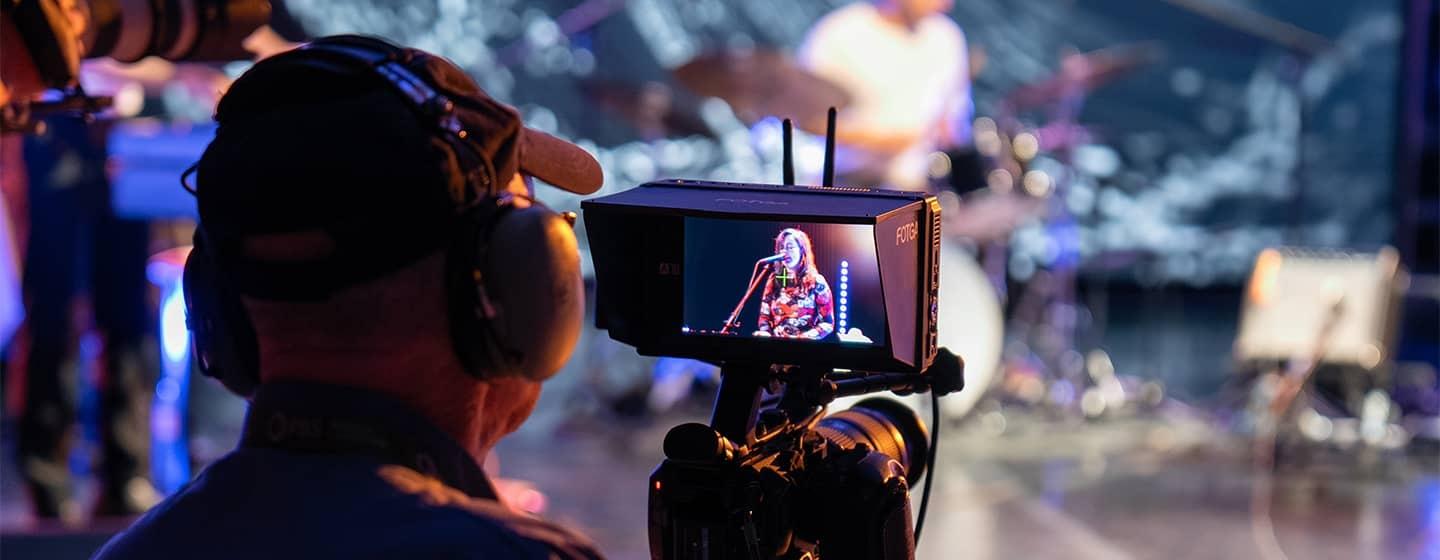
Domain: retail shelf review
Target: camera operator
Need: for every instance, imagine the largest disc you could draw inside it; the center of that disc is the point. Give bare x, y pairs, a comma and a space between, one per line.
368, 243
70, 240
63, 189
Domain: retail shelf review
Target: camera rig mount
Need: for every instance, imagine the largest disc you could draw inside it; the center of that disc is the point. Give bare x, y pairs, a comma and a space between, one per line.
778, 479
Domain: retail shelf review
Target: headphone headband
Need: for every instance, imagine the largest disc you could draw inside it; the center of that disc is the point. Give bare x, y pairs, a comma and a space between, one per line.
421, 94
433, 106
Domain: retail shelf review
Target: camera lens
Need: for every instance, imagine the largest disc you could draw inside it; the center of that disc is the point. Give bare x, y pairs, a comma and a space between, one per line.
193, 30
887, 426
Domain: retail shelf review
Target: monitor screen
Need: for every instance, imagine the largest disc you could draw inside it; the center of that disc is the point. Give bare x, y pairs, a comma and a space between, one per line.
808, 282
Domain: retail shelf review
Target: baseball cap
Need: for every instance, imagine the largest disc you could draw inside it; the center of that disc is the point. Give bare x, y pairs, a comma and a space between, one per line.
311, 139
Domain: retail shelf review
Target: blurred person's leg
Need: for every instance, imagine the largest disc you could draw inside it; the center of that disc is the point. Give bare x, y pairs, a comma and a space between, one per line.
47, 412
12, 188
129, 366
13, 222
68, 188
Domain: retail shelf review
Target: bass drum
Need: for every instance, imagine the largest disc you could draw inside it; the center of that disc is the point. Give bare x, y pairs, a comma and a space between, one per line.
972, 325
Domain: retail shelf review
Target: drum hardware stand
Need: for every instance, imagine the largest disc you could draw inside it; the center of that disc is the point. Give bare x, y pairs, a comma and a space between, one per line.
1047, 311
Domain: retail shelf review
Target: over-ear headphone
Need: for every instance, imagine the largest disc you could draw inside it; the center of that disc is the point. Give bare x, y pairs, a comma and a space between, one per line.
513, 275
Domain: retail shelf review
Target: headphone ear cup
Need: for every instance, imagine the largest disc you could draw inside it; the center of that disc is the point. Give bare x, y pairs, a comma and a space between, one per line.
521, 316
224, 340
535, 283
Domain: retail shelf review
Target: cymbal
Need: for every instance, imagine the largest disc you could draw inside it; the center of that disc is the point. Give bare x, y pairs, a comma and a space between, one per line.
990, 216
1256, 24
652, 108
763, 83
1081, 73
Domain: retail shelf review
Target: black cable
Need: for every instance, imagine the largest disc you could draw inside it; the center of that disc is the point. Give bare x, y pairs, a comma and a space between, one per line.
930, 462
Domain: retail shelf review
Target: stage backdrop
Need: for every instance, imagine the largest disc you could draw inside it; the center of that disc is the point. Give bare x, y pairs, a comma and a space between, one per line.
1192, 163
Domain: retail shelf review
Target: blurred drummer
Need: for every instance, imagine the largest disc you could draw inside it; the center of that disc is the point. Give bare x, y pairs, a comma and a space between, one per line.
905, 67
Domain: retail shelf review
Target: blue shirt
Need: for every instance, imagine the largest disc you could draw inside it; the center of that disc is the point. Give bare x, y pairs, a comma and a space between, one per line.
330, 472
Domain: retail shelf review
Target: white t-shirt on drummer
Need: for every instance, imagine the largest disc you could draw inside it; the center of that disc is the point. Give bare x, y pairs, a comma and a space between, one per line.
898, 79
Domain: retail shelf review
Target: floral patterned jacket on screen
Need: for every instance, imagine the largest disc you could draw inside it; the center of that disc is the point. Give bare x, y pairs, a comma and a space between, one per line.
797, 308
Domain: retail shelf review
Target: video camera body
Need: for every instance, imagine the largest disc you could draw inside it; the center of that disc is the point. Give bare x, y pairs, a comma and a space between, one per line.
848, 307
803, 485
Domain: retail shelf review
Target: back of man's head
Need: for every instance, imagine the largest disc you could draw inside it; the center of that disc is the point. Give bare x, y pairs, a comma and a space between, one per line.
354, 224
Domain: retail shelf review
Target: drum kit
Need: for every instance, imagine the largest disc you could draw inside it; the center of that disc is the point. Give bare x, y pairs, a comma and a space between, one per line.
987, 191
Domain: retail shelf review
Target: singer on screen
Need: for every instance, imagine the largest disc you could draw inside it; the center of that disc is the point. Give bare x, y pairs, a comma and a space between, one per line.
797, 302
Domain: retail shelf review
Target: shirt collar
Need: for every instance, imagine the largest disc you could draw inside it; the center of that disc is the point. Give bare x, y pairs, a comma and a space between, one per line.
339, 420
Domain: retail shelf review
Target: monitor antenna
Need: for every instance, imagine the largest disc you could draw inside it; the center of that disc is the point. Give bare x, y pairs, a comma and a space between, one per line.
788, 159
829, 179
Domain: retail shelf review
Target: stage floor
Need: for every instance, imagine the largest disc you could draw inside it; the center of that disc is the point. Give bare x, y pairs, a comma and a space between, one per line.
1160, 485
1133, 488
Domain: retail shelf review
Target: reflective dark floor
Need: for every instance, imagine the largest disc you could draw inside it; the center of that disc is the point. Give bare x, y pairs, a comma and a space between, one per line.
1122, 489
1010, 483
